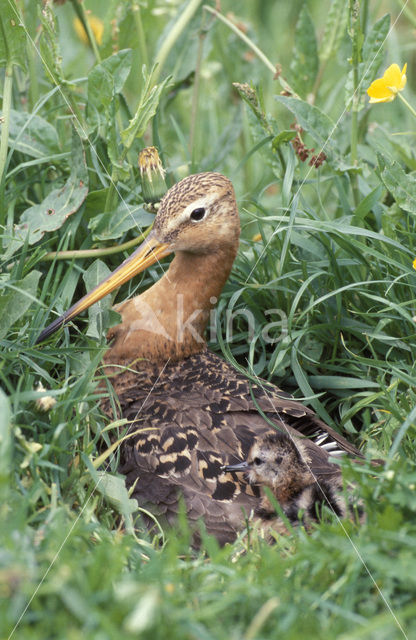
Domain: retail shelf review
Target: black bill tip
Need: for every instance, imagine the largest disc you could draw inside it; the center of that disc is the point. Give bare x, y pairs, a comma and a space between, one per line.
240, 466
50, 329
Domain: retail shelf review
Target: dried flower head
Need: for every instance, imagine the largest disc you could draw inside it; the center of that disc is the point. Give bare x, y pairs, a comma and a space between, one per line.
152, 175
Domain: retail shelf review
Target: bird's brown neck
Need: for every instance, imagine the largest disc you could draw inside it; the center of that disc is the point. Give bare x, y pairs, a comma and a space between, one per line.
168, 321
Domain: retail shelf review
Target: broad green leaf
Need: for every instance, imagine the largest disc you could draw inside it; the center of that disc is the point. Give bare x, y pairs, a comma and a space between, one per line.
114, 489
373, 51
372, 56
5, 438
51, 214
100, 88
401, 185
319, 126
95, 203
12, 35
305, 63
119, 66
335, 27
32, 135
121, 169
49, 45
108, 226
97, 313
149, 101
107, 78
16, 300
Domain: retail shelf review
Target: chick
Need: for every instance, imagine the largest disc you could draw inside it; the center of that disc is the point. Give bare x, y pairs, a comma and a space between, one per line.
277, 462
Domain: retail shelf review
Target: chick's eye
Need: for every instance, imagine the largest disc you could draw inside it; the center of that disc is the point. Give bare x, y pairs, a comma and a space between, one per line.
257, 461
198, 214
279, 459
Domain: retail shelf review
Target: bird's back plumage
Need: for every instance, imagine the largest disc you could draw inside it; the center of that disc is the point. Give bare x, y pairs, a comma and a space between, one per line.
193, 418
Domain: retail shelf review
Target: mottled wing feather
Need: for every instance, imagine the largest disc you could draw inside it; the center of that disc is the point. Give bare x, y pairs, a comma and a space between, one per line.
198, 416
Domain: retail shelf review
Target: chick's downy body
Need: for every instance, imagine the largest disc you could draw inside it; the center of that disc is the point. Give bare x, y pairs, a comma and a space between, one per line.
280, 462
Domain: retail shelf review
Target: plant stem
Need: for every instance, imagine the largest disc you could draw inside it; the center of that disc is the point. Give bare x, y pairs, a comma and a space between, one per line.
173, 36
95, 253
243, 37
409, 106
195, 97
137, 17
7, 101
408, 12
364, 21
286, 86
80, 11
356, 52
318, 80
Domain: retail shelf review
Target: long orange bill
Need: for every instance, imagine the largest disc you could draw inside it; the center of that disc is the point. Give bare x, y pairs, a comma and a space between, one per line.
149, 252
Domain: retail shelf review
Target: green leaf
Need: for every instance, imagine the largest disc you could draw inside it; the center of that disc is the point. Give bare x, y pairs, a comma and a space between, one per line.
17, 300
119, 66
97, 313
95, 203
372, 56
149, 101
12, 35
401, 185
49, 46
113, 488
32, 135
305, 63
111, 225
335, 26
342, 382
5, 438
107, 78
304, 386
319, 126
121, 169
51, 214
100, 88
373, 52
368, 203
284, 136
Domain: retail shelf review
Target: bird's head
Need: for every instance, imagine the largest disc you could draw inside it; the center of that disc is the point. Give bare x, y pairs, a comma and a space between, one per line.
197, 215
272, 461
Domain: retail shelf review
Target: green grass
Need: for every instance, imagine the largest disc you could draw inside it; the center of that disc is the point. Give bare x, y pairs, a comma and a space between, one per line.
334, 258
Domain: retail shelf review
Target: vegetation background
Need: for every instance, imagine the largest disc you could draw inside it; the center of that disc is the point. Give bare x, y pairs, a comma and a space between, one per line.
331, 247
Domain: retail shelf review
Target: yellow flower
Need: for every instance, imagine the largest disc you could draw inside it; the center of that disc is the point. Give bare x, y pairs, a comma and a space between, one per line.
97, 27
414, 263
385, 89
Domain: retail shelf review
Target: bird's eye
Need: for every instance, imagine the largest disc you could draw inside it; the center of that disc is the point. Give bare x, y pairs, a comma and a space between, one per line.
198, 214
257, 461
279, 459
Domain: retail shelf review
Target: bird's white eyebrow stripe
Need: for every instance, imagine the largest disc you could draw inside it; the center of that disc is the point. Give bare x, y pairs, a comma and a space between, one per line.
203, 202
